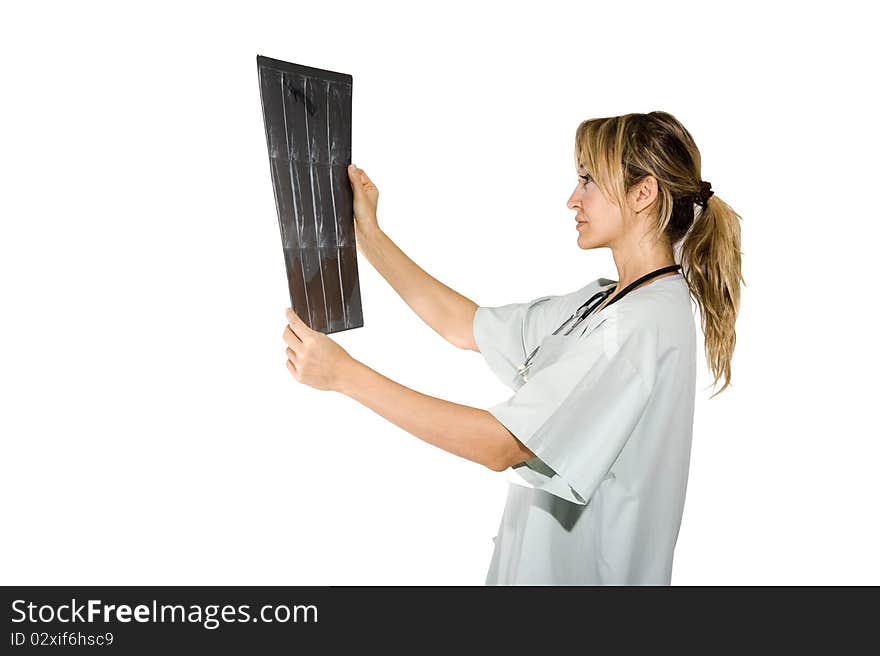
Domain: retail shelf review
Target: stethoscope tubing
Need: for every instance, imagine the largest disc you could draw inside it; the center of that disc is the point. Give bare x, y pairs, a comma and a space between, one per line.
587, 308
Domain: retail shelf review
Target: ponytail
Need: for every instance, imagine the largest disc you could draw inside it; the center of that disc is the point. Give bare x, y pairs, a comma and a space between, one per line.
711, 264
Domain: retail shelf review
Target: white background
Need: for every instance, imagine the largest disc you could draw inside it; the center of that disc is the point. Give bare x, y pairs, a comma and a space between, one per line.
151, 433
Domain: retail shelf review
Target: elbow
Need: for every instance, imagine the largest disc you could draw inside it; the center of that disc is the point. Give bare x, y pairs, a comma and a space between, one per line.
499, 459
502, 446
464, 334
465, 343
496, 465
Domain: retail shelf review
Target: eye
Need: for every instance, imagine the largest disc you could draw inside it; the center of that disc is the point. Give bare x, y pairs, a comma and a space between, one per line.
586, 179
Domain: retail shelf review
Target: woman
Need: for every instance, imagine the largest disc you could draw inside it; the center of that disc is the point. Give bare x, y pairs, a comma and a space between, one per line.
597, 435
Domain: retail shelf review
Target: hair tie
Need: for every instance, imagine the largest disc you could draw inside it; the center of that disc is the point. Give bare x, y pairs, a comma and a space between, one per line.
702, 196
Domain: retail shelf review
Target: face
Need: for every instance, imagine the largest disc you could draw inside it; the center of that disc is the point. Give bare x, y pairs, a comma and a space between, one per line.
599, 220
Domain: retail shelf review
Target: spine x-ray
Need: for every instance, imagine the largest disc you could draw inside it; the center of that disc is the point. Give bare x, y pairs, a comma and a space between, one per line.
307, 116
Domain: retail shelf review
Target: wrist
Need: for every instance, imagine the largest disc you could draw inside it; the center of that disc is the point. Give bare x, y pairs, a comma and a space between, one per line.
369, 234
348, 377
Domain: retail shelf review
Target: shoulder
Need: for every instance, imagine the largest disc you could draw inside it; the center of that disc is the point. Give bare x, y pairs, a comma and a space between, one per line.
664, 308
646, 327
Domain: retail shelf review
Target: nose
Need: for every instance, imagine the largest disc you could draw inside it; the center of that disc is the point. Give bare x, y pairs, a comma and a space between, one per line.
572, 200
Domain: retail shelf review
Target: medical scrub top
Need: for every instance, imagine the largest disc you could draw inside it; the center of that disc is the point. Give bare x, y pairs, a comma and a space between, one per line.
608, 412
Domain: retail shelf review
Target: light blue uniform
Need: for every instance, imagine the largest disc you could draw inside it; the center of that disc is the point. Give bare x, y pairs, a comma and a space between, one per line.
608, 411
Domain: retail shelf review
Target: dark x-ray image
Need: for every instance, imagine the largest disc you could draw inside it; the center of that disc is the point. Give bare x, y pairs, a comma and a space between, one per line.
307, 115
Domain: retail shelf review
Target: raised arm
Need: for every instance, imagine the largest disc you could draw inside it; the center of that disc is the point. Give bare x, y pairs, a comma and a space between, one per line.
447, 312
450, 314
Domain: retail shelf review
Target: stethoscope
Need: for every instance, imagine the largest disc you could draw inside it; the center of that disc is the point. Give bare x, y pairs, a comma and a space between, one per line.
588, 307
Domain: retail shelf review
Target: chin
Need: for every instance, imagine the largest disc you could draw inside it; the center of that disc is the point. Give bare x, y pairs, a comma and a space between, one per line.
585, 243
584, 240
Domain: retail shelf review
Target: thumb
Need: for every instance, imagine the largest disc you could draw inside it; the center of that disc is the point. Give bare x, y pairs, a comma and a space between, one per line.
352, 171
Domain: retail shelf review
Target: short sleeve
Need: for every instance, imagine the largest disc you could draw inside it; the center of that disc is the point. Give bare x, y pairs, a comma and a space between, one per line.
578, 411
504, 333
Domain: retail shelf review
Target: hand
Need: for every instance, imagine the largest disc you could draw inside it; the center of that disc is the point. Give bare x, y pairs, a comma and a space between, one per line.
312, 357
366, 199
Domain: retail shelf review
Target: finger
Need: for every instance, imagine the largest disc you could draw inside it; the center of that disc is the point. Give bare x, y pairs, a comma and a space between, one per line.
291, 367
297, 325
290, 337
294, 320
359, 176
354, 173
291, 355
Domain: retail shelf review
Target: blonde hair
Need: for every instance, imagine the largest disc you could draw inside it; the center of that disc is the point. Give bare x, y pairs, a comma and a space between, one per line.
618, 152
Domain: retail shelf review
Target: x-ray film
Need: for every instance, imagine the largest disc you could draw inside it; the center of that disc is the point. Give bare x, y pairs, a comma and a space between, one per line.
307, 115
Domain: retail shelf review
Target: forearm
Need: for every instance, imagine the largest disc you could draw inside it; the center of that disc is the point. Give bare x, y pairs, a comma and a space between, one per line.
446, 311
467, 432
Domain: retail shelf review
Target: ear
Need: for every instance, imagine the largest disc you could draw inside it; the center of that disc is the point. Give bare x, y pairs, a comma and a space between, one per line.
644, 193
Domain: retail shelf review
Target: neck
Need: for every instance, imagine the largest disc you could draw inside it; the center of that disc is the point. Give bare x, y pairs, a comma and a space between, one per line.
634, 261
